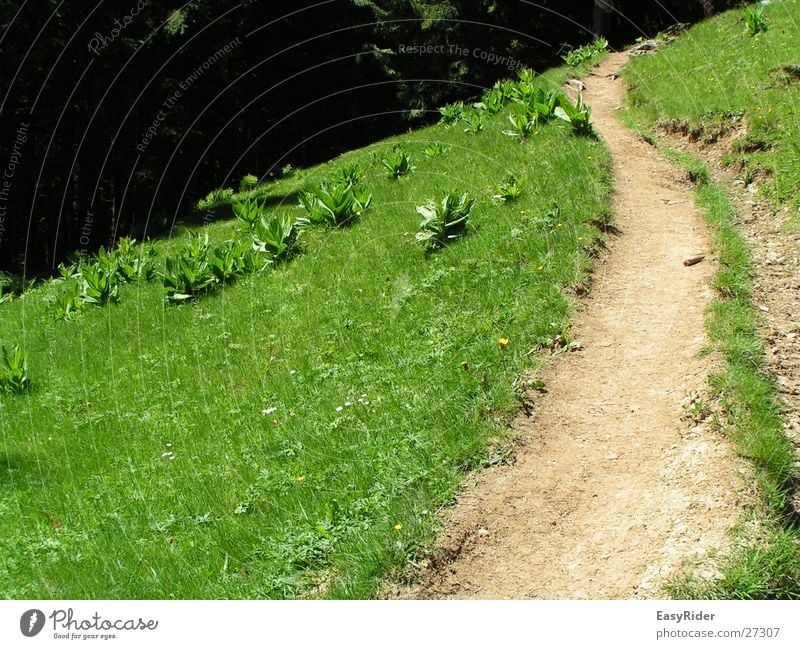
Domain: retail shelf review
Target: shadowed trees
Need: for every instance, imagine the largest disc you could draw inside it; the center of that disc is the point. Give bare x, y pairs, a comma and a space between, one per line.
117, 116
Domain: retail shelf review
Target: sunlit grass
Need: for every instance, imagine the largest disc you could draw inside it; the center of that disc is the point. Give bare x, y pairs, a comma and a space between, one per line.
718, 75
295, 433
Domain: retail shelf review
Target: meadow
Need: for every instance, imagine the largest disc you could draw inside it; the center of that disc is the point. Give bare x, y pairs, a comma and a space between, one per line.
295, 432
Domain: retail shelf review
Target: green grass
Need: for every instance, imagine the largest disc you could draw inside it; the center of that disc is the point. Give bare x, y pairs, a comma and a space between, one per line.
766, 560
315, 498
719, 76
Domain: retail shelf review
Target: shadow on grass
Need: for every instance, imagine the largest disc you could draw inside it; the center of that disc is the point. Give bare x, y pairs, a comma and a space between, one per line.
225, 212
13, 466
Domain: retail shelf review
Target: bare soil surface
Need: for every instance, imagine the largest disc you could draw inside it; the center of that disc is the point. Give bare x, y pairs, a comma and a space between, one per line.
613, 485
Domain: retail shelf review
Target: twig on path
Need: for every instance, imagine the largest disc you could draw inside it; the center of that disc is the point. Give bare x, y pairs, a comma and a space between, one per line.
691, 261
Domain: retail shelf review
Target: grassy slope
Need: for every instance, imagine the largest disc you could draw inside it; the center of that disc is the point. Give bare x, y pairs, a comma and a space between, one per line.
273, 506
766, 560
717, 73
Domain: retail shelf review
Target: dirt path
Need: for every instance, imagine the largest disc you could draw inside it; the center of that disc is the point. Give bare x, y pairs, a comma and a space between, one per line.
612, 487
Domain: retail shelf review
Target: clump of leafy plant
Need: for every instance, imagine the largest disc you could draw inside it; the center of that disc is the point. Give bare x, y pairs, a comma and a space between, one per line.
493, 100
435, 149
199, 270
506, 87
248, 183
473, 120
509, 189
452, 113
524, 91
127, 262
105, 259
248, 211
134, 262
231, 261
14, 371
277, 234
335, 202
526, 75
198, 245
444, 222
586, 53
224, 263
215, 199
67, 296
67, 299
754, 20
97, 279
189, 275
287, 171
351, 174
398, 163
100, 282
544, 103
185, 278
574, 58
77, 260
523, 121
578, 116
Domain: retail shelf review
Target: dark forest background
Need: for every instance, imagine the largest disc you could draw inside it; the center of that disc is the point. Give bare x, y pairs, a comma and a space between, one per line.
82, 82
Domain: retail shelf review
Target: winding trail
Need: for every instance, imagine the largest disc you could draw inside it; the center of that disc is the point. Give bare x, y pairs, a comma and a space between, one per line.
612, 486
